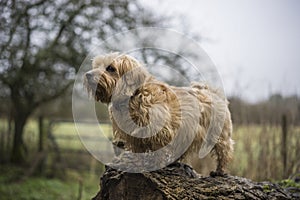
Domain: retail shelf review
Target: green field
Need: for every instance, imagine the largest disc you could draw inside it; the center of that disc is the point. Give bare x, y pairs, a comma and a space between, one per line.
63, 185
258, 152
42, 188
75, 137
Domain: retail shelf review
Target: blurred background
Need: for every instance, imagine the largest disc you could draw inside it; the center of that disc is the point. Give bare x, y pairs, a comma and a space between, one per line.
254, 45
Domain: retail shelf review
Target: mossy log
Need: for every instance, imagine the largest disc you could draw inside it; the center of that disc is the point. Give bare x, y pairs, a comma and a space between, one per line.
180, 181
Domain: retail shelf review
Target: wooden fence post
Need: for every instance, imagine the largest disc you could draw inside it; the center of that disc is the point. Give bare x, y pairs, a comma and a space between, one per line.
41, 145
2, 142
284, 145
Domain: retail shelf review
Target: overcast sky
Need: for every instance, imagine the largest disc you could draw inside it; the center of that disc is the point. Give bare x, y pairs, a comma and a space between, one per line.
255, 44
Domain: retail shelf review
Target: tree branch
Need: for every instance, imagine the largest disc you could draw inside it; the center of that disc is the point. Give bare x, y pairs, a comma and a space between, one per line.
49, 98
18, 15
64, 24
28, 39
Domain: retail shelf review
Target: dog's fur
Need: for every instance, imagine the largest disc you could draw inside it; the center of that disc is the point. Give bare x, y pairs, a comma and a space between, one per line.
148, 97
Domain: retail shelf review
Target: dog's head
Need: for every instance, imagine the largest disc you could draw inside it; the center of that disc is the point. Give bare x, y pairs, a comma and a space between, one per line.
113, 74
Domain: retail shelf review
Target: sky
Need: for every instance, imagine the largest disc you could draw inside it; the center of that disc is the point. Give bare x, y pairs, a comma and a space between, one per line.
255, 44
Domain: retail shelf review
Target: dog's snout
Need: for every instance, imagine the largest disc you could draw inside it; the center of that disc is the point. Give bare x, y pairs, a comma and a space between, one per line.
89, 75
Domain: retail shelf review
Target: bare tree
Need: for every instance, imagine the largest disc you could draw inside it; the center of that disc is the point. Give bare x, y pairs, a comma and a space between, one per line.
43, 43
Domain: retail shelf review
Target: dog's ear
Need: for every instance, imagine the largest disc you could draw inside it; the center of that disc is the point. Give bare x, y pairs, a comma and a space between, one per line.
133, 75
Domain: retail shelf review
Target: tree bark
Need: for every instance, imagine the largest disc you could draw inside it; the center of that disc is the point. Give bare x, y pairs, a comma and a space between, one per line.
179, 181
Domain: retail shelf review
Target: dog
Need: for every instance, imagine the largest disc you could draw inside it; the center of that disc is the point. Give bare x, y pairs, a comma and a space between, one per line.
147, 114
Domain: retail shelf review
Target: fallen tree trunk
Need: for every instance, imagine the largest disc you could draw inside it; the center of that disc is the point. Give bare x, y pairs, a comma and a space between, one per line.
179, 181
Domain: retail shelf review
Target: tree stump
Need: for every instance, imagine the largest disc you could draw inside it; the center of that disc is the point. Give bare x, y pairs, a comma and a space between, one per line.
180, 181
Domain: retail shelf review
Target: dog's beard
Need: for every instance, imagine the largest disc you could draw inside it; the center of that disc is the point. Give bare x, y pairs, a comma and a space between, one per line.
101, 94
97, 91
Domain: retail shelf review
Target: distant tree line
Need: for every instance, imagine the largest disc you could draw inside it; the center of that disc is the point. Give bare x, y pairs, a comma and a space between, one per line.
269, 111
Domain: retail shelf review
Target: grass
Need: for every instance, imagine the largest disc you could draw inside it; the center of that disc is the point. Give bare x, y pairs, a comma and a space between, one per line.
67, 135
41, 188
65, 187
258, 152
72, 137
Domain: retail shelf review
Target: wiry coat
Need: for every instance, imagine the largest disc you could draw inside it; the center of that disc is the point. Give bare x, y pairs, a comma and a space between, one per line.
146, 113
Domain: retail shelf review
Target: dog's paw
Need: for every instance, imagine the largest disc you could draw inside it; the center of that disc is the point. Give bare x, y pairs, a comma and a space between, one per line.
119, 143
218, 173
119, 147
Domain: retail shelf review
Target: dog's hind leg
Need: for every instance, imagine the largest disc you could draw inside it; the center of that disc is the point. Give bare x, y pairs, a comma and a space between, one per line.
223, 151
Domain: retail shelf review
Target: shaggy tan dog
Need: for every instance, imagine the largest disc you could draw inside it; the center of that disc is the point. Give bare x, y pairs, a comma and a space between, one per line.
148, 114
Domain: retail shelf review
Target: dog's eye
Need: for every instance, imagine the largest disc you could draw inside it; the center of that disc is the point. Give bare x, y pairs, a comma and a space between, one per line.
110, 68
